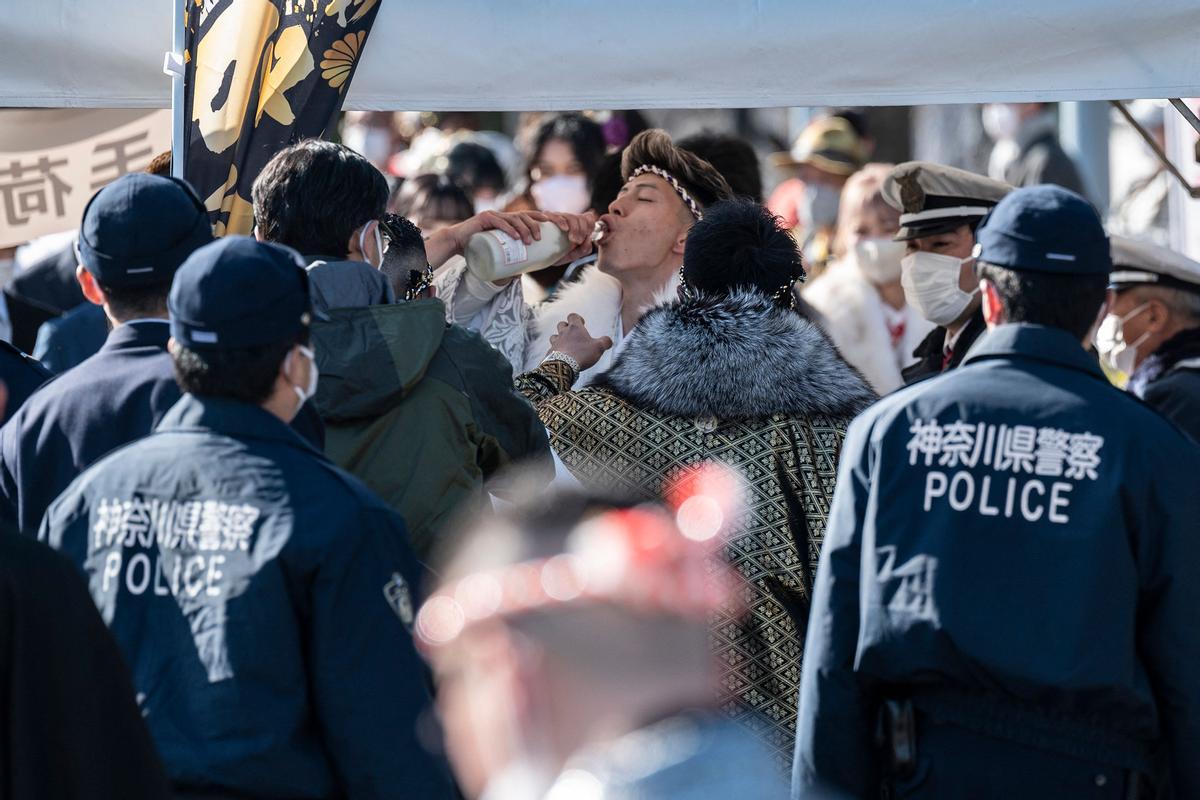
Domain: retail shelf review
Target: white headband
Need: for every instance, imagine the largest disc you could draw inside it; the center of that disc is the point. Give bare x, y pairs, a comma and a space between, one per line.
692, 205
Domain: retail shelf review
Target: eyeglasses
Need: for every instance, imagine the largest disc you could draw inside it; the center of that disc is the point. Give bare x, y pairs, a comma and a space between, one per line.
385, 236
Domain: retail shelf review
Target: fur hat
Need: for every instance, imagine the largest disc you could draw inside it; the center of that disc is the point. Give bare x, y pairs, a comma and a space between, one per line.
740, 245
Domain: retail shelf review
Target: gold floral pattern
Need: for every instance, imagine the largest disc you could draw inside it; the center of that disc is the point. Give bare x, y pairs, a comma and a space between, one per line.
338, 62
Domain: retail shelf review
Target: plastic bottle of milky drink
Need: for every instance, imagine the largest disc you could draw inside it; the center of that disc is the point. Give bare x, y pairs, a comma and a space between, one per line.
494, 256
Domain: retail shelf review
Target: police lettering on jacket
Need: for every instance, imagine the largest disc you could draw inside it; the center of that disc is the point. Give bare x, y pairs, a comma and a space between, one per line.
1022, 471
195, 537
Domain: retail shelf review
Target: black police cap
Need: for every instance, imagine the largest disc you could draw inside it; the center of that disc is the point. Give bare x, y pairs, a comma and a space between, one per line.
1045, 229
239, 292
137, 230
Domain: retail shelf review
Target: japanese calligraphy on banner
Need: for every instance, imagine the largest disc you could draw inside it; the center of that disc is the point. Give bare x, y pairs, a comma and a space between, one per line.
260, 75
53, 161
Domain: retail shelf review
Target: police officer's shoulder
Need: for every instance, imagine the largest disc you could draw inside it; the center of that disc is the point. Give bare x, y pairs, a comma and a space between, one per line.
73, 502
53, 387
30, 416
17, 355
34, 575
1180, 389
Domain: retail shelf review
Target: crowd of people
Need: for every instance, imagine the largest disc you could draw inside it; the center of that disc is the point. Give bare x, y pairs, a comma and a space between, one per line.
880, 487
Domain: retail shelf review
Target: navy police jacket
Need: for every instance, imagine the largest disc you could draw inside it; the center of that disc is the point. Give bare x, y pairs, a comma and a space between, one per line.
112, 398
22, 375
262, 599
69, 340
116, 396
1016, 529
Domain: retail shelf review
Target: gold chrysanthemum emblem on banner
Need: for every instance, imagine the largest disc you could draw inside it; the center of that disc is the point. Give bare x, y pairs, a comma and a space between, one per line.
338, 60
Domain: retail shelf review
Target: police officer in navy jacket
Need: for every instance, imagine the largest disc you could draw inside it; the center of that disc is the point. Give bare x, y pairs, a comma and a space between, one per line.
1006, 599
260, 594
135, 233
22, 375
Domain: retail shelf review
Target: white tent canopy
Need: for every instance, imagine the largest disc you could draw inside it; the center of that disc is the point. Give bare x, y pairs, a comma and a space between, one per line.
558, 54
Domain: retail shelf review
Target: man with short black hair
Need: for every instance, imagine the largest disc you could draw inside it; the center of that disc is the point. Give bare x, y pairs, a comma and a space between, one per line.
1004, 605
261, 594
135, 233
421, 411
327, 202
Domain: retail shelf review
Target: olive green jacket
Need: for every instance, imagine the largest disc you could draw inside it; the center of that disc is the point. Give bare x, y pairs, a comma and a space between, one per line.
422, 412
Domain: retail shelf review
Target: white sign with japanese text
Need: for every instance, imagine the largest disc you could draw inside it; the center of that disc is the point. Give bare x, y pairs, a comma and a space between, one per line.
52, 162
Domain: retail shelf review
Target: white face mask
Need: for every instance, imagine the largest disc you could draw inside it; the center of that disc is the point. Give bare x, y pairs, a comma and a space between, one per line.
1001, 121
879, 259
930, 282
563, 194
313, 375
362, 241
820, 206
483, 204
1115, 352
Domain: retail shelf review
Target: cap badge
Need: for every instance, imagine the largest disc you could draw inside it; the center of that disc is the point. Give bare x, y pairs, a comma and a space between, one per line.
912, 196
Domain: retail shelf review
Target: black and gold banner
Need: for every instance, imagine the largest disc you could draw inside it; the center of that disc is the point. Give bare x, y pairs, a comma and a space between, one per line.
260, 75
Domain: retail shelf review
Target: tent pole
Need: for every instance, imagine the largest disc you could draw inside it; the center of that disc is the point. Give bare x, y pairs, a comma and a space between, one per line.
1083, 129
1192, 191
176, 70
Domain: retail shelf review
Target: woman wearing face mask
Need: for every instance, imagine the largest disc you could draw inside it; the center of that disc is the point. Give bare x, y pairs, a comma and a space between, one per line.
940, 208
564, 159
859, 294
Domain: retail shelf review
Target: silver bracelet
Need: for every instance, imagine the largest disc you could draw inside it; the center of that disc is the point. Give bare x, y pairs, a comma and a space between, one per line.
558, 355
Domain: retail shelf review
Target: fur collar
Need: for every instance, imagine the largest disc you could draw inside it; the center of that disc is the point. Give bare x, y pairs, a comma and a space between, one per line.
735, 356
596, 297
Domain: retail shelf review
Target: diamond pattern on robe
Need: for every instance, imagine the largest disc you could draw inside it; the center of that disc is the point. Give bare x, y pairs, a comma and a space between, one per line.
608, 443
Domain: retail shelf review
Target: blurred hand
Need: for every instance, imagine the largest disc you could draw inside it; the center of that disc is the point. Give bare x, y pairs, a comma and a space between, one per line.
574, 340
